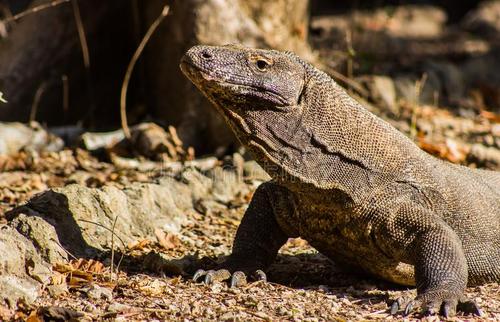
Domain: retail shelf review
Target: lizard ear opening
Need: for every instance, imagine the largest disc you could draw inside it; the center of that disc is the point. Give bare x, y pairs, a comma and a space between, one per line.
301, 96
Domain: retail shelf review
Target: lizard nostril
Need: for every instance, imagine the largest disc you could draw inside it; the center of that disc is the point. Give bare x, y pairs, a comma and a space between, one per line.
206, 55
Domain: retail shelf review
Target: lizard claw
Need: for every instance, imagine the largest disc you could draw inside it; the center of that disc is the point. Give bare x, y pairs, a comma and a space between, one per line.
401, 302
469, 307
240, 279
409, 308
449, 308
199, 273
428, 305
259, 275
211, 276
394, 307
237, 279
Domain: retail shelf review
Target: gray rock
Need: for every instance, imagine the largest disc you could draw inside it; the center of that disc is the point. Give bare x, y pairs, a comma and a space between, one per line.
416, 21
58, 290
43, 235
22, 269
79, 219
97, 292
14, 289
118, 307
15, 137
82, 217
386, 31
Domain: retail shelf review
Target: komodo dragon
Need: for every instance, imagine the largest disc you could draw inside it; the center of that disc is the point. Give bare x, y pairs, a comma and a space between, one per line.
349, 183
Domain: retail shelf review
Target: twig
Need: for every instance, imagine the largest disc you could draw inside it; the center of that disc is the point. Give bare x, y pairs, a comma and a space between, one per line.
34, 10
119, 263
64, 249
81, 34
350, 56
378, 313
419, 85
113, 234
130, 68
108, 229
113, 249
5, 10
36, 101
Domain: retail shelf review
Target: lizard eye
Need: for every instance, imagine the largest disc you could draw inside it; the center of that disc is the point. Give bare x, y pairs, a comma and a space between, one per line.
262, 65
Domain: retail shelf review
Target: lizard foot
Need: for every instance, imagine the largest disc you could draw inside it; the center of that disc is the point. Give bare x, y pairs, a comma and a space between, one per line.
431, 303
238, 278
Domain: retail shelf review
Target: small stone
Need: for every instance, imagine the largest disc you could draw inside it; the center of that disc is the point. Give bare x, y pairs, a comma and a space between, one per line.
57, 290
228, 316
216, 288
90, 308
263, 316
97, 292
118, 307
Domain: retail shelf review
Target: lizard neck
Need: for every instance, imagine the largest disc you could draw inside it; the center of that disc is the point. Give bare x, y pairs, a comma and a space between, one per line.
331, 143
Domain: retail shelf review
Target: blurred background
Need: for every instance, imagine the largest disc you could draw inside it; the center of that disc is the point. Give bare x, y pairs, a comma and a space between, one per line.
429, 67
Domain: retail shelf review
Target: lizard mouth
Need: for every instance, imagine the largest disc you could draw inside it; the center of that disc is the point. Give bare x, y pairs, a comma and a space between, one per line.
199, 74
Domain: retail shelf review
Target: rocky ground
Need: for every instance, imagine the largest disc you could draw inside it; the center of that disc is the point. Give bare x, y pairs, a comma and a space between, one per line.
114, 230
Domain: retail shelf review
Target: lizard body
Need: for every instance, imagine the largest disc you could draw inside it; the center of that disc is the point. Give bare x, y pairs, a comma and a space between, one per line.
349, 183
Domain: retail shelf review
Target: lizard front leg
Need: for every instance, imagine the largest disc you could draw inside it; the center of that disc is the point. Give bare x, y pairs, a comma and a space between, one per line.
257, 242
440, 264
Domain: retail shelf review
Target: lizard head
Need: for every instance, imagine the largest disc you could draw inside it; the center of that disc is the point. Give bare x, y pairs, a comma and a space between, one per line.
244, 77
258, 91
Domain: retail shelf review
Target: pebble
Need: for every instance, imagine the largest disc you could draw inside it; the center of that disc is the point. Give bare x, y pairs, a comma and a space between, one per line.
118, 307
97, 292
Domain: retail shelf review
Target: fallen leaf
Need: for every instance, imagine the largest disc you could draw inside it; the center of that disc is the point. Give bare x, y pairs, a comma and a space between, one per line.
139, 245
493, 117
167, 241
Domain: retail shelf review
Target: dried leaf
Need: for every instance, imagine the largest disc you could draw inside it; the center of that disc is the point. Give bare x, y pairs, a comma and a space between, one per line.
449, 150
88, 265
139, 245
167, 241
493, 117
57, 278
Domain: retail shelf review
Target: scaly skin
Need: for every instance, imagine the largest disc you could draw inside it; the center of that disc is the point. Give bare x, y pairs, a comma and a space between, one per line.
349, 183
